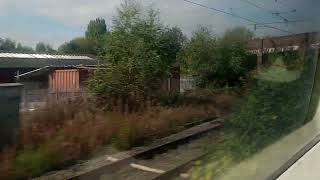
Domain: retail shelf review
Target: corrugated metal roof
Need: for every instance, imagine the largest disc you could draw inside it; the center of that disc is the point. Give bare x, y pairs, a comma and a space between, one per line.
15, 60
41, 56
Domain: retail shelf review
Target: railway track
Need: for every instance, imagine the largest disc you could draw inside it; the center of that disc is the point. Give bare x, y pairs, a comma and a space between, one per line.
160, 162
165, 165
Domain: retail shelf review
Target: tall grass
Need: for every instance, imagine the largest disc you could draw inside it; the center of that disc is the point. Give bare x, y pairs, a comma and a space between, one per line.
70, 130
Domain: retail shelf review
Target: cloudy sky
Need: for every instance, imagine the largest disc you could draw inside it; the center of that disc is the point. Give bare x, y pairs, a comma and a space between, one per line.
57, 21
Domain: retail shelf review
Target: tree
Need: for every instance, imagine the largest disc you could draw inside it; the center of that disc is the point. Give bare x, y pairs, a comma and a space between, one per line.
98, 33
49, 49
19, 47
7, 45
41, 47
199, 54
78, 45
23, 49
93, 42
132, 55
44, 48
237, 35
213, 61
170, 44
96, 29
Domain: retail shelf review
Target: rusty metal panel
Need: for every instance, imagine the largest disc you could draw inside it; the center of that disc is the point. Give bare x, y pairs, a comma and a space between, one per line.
64, 81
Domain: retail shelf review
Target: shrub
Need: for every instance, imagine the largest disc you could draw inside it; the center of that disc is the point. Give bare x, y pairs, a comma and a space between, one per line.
217, 62
50, 138
171, 99
129, 133
30, 163
274, 108
138, 56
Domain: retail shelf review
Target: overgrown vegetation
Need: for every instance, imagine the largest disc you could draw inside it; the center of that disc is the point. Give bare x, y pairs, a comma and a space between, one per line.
11, 46
92, 43
137, 57
218, 62
8, 45
137, 54
50, 139
273, 108
276, 106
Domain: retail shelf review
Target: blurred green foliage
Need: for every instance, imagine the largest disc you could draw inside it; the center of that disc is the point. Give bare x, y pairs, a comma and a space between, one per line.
138, 56
273, 108
44, 48
8, 45
34, 162
218, 62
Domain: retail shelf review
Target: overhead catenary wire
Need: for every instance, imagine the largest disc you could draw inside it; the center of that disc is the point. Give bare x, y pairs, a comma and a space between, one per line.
237, 16
278, 14
267, 10
256, 5
280, 22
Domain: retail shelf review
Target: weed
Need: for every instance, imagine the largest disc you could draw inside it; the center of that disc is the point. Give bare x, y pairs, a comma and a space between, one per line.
67, 131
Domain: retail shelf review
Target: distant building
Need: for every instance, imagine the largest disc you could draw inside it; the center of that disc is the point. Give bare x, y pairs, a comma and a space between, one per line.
294, 42
43, 74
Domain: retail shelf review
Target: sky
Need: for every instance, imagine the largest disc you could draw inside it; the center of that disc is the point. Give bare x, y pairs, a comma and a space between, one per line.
58, 21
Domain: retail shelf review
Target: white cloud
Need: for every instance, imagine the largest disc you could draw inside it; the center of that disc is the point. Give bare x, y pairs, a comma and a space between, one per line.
70, 12
77, 13
188, 17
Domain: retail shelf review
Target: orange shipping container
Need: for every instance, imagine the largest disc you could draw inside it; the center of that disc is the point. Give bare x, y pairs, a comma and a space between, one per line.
64, 81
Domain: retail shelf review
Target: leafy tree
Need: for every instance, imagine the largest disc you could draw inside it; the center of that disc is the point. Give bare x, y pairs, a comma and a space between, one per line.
215, 61
132, 55
237, 35
41, 47
98, 33
93, 43
50, 49
44, 48
199, 54
170, 44
23, 49
7, 45
233, 63
78, 45
96, 29
19, 46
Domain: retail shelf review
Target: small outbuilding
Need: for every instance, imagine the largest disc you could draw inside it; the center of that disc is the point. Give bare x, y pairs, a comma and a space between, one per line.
43, 75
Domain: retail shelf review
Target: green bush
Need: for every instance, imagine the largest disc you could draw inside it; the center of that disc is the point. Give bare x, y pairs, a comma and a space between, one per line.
171, 99
32, 163
274, 108
140, 52
128, 135
291, 60
218, 62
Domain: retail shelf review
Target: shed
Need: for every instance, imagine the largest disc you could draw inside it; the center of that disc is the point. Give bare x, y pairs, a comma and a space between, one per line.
44, 74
